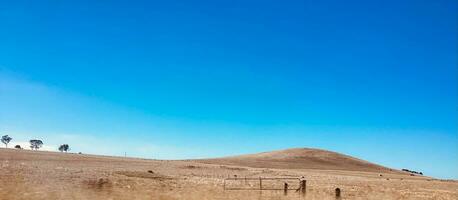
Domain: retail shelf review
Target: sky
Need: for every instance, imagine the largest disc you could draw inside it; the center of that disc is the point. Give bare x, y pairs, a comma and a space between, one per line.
172, 79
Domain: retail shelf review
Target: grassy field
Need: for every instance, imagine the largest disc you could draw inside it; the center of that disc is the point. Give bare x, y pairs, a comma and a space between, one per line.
50, 175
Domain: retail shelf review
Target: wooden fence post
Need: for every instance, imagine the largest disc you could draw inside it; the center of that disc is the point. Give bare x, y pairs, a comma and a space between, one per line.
338, 191
260, 183
285, 189
303, 186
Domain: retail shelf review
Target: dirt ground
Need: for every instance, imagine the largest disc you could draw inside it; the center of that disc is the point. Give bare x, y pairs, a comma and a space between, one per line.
50, 175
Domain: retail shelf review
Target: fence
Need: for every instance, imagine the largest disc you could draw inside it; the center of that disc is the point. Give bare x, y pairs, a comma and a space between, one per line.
270, 184
264, 184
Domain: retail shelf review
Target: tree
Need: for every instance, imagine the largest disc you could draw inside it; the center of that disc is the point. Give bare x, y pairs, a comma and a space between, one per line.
35, 144
64, 147
6, 139
18, 146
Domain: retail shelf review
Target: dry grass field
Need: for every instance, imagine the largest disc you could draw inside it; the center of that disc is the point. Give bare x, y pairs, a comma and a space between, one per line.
50, 175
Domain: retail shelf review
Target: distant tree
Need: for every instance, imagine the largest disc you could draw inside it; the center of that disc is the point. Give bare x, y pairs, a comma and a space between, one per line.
64, 147
35, 144
6, 139
18, 146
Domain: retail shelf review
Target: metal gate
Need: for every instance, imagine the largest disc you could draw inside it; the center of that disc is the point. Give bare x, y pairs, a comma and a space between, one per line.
263, 184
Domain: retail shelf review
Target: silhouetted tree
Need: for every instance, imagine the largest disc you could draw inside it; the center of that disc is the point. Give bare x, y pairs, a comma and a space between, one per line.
18, 146
6, 139
64, 147
35, 144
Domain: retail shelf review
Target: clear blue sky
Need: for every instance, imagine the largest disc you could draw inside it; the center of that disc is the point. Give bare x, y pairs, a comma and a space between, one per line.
187, 79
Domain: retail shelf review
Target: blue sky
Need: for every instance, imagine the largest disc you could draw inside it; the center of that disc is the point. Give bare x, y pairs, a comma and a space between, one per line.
181, 79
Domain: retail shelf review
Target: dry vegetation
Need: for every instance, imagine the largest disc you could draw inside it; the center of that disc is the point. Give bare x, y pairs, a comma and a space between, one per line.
49, 175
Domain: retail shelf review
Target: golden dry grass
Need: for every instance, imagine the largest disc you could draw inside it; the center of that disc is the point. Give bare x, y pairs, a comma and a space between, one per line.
50, 175
301, 158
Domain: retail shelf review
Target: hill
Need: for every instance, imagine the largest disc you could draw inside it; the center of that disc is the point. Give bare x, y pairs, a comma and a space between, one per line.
300, 158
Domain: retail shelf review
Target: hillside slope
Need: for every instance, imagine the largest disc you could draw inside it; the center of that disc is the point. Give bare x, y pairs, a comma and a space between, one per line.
300, 158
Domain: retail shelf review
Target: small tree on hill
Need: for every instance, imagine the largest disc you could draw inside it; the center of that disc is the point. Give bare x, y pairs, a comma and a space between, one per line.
35, 144
6, 139
64, 147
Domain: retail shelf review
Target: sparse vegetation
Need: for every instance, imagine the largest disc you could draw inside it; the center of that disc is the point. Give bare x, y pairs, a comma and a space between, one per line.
36, 144
99, 184
6, 139
413, 172
64, 148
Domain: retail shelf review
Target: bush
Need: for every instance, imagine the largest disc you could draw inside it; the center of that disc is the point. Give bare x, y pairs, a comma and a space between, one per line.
64, 147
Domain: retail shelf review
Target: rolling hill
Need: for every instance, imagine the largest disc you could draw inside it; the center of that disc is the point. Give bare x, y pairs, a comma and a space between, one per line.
300, 158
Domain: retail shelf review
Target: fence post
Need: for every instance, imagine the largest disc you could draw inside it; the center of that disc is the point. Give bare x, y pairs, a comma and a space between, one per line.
286, 189
303, 186
338, 193
260, 183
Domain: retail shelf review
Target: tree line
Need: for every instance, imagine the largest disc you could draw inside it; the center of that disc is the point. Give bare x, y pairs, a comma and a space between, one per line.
34, 144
